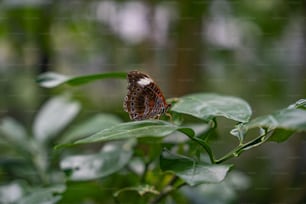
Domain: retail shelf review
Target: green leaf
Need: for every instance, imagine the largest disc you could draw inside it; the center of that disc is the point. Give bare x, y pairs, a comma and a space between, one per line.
280, 135
300, 104
290, 119
187, 131
208, 106
89, 127
231, 188
51, 79
27, 147
135, 129
13, 129
54, 116
44, 195
282, 124
86, 167
239, 131
16, 136
141, 190
193, 172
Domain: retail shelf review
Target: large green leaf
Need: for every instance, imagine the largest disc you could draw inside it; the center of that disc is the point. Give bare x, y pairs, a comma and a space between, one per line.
51, 79
86, 167
55, 115
193, 172
89, 127
290, 118
49, 195
284, 123
135, 129
231, 187
208, 106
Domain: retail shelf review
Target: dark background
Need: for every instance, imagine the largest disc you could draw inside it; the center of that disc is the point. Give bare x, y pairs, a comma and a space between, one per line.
249, 49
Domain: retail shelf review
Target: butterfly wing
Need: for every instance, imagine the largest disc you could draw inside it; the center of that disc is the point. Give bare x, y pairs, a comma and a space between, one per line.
156, 100
134, 103
144, 99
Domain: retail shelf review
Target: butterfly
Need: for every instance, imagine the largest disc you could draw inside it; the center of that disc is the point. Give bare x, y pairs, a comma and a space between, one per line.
144, 99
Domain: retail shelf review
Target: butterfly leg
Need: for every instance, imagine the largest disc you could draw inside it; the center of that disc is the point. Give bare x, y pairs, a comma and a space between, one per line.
170, 116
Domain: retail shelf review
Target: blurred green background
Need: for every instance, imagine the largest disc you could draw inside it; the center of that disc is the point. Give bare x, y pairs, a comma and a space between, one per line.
255, 50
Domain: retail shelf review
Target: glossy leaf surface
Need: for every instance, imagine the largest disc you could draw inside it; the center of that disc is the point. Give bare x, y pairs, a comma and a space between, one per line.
208, 106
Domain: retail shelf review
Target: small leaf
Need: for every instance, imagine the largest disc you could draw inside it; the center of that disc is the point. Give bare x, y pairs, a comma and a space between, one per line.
193, 172
239, 131
208, 106
13, 129
141, 190
55, 115
27, 147
89, 127
49, 195
187, 131
135, 129
280, 135
110, 160
50, 79
16, 136
300, 104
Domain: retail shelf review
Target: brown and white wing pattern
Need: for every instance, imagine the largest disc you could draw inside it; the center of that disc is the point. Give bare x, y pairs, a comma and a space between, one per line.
144, 99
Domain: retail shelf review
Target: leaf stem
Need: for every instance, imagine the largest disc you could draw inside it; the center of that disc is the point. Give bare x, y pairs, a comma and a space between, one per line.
242, 147
206, 147
200, 141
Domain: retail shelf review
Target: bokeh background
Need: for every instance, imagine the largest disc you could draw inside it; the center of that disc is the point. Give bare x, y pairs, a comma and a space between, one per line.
249, 49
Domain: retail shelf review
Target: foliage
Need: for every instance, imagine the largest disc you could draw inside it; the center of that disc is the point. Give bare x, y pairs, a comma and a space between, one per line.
134, 161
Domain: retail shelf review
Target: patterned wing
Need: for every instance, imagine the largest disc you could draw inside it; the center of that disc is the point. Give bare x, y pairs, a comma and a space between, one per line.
156, 101
144, 99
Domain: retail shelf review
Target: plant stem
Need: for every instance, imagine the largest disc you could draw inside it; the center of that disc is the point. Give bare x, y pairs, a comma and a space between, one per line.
145, 171
206, 147
242, 147
201, 142
167, 190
